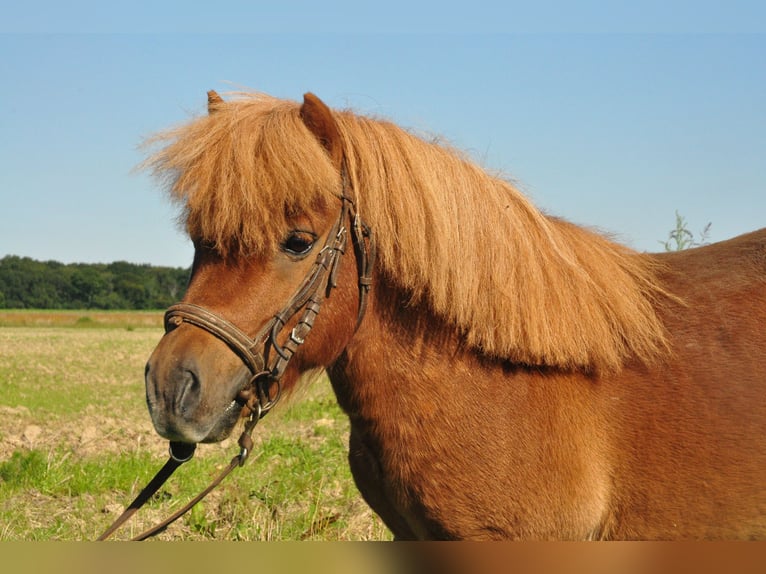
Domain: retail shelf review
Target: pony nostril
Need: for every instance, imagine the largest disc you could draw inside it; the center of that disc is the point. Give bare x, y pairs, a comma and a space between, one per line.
188, 392
153, 389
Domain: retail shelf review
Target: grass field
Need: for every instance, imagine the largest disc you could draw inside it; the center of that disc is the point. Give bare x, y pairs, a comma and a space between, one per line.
76, 444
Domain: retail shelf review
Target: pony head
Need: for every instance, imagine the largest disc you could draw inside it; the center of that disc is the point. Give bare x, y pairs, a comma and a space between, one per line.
262, 191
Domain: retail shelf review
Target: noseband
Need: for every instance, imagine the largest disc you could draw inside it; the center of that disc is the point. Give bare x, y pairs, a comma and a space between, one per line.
264, 389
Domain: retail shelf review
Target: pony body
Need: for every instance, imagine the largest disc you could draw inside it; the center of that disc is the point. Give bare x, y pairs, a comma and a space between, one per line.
670, 451
516, 376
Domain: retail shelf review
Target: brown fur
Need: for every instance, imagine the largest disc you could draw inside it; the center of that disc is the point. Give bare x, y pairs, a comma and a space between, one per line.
516, 376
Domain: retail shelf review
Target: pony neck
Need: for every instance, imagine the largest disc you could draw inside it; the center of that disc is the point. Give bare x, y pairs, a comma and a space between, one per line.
514, 283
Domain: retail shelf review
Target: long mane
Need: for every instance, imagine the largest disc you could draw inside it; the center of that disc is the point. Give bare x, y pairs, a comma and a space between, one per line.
515, 283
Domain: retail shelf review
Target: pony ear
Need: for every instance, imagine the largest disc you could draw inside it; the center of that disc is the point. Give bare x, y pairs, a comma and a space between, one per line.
320, 122
213, 101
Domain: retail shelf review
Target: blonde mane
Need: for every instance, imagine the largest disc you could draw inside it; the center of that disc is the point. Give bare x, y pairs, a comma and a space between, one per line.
515, 283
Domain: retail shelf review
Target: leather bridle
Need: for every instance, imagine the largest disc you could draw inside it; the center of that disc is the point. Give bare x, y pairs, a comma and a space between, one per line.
260, 394
264, 388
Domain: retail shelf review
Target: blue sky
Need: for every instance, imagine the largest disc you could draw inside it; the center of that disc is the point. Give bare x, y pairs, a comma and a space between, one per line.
613, 121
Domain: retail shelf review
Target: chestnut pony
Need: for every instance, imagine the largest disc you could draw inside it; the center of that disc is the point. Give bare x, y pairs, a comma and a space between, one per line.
507, 374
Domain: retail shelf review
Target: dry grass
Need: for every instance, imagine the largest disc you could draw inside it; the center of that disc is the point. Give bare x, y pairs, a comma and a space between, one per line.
76, 444
88, 319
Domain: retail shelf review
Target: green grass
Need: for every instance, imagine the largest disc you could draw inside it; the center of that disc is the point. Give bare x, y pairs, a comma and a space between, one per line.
76, 445
56, 474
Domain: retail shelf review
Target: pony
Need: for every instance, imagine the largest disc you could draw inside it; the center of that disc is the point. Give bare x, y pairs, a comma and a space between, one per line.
507, 374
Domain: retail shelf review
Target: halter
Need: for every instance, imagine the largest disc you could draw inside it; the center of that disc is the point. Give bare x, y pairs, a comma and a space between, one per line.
264, 389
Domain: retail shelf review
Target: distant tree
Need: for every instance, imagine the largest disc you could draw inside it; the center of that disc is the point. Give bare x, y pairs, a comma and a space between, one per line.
29, 284
86, 283
682, 238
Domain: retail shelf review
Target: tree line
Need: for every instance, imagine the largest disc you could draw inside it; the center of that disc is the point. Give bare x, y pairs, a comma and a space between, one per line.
29, 284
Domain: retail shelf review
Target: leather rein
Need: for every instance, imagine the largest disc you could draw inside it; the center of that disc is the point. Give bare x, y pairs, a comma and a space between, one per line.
264, 389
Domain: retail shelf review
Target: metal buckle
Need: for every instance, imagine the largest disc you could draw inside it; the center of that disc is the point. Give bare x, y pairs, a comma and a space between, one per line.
181, 451
295, 338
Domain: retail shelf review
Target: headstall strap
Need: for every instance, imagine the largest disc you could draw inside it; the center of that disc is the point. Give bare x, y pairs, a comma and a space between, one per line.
257, 396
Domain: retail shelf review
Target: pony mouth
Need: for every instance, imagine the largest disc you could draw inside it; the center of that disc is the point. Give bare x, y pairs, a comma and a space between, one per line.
229, 417
225, 424
187, 432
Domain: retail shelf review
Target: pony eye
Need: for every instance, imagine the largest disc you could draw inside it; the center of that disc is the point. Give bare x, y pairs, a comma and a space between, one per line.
298, 243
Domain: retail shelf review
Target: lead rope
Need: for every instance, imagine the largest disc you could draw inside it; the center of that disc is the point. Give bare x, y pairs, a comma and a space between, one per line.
176, 459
